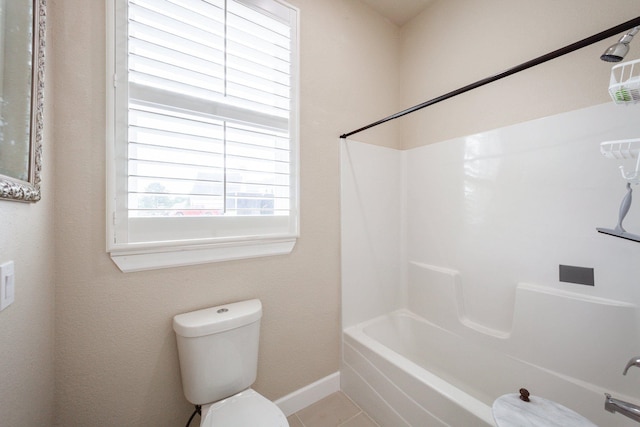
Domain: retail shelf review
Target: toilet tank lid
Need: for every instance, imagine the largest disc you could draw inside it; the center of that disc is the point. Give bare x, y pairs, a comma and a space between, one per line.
217, 319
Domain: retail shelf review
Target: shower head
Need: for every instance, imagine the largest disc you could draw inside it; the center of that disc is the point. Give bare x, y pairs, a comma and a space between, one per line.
616, 52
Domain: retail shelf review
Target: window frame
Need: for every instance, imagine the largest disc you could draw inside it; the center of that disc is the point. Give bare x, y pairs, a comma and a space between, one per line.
131, 256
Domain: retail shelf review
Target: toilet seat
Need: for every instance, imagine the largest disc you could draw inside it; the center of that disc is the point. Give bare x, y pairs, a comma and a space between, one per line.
247, 408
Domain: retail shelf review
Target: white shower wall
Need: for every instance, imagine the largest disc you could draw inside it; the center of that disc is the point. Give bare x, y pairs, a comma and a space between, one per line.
500, 208
371, 220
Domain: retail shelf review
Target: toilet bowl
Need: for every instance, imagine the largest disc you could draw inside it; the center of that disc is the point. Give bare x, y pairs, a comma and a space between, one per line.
218, 352
247, 408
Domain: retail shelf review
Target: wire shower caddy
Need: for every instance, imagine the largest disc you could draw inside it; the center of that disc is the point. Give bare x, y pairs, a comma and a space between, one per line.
624, 85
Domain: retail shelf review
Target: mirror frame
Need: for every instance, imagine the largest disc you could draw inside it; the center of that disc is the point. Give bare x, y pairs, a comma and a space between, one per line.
15, 189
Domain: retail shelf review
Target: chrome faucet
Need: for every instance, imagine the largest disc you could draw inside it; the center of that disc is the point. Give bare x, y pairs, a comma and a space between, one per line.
625, 408
633, 362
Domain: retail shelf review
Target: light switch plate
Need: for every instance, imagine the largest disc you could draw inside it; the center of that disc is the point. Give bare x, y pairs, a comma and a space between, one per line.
7, 284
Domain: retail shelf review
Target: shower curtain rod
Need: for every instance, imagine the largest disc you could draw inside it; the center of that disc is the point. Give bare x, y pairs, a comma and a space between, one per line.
537, 61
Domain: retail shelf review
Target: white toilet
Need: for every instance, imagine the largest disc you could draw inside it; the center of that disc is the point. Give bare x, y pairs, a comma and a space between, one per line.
218, 351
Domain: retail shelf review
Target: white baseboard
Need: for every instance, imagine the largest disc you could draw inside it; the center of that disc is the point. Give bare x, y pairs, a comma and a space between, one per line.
309, 394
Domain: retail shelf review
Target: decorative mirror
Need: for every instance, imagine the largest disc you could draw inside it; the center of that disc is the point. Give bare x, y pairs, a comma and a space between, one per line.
22, 40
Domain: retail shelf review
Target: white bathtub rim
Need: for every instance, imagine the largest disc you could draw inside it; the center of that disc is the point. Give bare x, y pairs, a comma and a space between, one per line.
595, 388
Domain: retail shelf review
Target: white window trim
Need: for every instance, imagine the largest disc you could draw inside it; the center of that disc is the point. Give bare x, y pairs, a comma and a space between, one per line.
140, 257
151, 259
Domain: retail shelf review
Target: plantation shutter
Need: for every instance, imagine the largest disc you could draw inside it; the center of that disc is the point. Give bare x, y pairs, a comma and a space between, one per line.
208, 140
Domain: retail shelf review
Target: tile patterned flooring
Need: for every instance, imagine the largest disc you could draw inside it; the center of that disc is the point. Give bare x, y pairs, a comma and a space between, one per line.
335, 410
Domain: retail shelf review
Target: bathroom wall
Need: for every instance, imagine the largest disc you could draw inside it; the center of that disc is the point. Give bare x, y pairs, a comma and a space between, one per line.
116, 359
456, 43
515, 202
27, 326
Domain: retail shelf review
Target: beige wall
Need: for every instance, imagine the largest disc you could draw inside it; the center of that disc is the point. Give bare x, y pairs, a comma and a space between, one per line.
116, 359
27, 326
455, 43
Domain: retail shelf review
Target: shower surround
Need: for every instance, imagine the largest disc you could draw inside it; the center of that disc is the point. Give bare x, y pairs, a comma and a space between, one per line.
450, 258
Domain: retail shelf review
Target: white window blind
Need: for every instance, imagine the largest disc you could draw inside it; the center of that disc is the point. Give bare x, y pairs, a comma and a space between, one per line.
204, 116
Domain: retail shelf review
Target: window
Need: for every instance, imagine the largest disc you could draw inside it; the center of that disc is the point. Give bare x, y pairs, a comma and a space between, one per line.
202, 134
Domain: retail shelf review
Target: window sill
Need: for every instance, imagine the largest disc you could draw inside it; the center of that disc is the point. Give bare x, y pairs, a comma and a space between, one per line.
131, 260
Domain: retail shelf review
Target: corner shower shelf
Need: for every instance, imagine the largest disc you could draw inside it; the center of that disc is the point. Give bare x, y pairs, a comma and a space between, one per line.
623, 150
624, 86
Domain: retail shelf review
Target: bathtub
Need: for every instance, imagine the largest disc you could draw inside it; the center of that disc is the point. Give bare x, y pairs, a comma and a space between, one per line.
399, 382
429, 363
393, 370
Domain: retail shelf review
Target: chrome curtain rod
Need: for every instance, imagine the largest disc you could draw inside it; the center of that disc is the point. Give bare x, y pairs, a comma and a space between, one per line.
532, 63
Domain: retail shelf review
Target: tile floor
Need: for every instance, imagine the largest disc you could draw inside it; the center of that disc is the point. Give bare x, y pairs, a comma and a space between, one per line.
335, 410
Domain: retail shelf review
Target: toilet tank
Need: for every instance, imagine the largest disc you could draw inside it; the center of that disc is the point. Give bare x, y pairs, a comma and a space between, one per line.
218, 350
